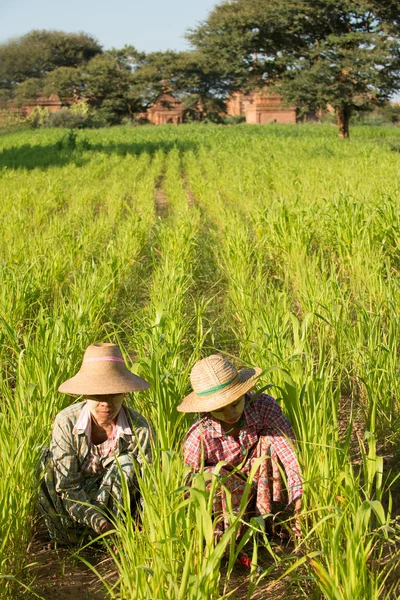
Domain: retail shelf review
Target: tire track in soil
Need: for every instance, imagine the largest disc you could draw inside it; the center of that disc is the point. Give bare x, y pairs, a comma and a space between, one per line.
133, 293
160, 199
59, 574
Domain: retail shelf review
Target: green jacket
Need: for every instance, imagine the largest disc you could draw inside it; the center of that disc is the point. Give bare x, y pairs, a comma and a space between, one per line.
68, 449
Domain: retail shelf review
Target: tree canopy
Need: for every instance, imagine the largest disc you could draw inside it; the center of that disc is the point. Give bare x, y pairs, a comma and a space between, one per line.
39, 52
109, 85
187, 75
342, 53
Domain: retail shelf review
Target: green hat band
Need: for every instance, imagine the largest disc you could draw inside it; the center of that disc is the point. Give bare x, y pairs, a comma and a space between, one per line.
216, 388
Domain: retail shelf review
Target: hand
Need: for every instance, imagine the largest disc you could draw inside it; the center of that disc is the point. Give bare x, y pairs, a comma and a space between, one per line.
106, 526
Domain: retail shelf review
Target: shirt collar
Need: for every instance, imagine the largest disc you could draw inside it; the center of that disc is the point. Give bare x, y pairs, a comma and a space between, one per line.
123, 427
84, 423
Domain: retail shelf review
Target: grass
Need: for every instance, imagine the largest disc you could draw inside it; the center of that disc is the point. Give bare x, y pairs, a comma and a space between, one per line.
280, 247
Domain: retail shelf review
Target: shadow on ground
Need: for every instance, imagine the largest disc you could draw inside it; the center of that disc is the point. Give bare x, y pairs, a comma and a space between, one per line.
78, 150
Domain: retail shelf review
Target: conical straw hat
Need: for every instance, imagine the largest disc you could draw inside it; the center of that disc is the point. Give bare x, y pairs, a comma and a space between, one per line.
103, 371
217, 383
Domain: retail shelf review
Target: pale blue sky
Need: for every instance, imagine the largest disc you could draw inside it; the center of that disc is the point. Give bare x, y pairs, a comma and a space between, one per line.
146, 24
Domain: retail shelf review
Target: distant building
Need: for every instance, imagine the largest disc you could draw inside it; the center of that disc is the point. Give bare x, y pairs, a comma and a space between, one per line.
52, 103
257, 107
260, 107
166, 109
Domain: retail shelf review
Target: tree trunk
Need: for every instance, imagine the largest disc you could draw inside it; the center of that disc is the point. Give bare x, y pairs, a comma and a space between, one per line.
343, 118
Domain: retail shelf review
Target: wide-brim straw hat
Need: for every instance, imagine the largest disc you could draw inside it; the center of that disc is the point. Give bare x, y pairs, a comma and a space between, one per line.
216, 383
103, 371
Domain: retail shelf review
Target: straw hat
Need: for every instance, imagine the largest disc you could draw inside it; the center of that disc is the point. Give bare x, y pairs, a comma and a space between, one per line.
216, 383
103, 371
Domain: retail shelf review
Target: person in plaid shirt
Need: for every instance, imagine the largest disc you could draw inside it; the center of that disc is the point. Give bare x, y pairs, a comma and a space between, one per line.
238, 427
94, 444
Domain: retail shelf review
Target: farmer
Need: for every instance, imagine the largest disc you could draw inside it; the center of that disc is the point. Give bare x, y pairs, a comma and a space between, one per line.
238, 427
94, 444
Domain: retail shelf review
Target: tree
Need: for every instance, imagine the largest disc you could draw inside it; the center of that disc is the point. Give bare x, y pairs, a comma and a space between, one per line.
343, 53
27, 90
38, 53
187, 75
64, 81
155, 74
109, 85
201, 85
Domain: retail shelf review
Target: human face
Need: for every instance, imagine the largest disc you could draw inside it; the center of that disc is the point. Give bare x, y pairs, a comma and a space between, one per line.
105, 408
230, 413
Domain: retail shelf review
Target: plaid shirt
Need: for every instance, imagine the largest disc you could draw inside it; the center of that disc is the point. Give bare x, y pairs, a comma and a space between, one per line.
93, 463
70, 448
206, 440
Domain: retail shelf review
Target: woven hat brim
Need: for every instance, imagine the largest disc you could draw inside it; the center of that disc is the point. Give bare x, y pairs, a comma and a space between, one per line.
82, 384
244, 382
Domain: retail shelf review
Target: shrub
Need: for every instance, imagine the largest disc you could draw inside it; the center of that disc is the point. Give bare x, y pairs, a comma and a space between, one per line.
39, 117
78, 116
234, 120
11, 119
66, 118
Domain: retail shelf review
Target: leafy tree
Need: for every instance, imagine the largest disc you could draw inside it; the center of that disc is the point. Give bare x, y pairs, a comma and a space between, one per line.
343, 53
201, 84
109, 85
27, 90
155, 74
187, 75
40, 52
64, 81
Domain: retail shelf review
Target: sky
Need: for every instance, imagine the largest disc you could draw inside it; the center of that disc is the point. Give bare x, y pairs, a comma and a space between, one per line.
148, 25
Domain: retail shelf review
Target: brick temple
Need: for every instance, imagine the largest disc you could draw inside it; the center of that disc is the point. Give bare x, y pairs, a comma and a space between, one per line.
257, 107
260, 107
166, 109
52, 103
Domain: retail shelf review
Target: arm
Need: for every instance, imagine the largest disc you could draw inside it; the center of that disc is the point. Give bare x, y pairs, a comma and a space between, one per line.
278, 428
69, 481
272, 417
142, 434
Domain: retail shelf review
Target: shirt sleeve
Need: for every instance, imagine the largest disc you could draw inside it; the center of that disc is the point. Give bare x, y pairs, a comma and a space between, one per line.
140, 447
278, 428
69, 481
272, 418
194, 451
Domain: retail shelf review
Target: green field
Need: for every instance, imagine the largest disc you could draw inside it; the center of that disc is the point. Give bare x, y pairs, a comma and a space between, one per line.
279, 245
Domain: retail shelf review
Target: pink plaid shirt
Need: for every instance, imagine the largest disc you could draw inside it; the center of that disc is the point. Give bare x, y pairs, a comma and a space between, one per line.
262, 417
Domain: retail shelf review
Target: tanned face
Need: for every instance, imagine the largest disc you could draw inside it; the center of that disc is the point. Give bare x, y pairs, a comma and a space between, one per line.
105, 408
230, 413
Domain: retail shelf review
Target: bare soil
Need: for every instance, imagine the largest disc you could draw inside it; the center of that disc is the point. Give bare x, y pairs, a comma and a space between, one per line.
57, 574
161, 201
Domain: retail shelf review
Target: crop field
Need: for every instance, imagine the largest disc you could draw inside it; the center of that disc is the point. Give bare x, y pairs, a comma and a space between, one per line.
278, 245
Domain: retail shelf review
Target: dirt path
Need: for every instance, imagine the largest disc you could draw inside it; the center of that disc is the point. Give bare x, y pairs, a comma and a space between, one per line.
161, 200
